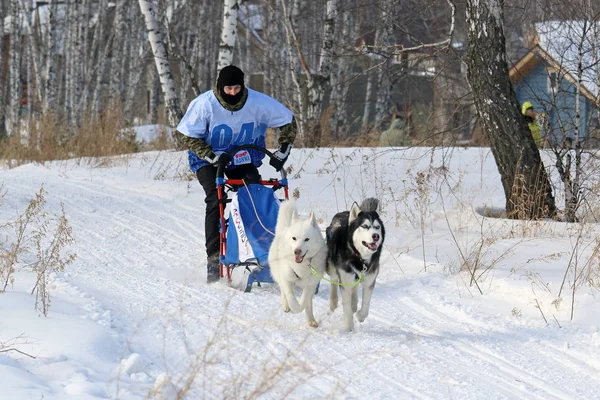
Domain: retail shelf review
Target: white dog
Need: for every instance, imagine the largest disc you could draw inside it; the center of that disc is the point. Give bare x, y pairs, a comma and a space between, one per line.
297, 249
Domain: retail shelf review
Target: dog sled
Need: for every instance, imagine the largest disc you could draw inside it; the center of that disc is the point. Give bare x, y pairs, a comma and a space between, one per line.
248, 210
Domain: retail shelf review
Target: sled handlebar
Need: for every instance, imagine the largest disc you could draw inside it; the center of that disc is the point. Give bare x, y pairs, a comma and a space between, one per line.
221, 168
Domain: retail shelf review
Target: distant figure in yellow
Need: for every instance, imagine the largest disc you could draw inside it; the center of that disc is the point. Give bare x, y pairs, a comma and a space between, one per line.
533, 121
395, 135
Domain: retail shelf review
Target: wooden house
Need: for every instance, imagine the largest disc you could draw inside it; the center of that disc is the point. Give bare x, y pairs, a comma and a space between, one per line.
562, 54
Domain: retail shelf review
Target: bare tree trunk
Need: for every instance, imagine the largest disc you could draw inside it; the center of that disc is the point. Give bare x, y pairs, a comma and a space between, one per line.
2, 91
161, 59
14, 66
27, 56
71, 58
79, 105
292, 42
316, 84
203, 63
369, 91
368, 96
228, 33
271, 54
209, 50
101, 49
154, 97
282, 76
35, 79
188, 49
526, 186
596, 61
186, 54
572, 191
103, 65
384, 77
247, 44
134, 67
341, 79
49, 103
136, 70
117, 58
320, 83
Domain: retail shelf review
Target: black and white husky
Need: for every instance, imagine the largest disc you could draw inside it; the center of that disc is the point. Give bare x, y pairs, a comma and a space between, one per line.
354, 241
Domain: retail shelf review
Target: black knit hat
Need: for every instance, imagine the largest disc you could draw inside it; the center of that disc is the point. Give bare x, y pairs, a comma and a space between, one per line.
230, 76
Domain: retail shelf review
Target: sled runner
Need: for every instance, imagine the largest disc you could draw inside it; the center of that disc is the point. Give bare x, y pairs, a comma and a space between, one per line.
248, 211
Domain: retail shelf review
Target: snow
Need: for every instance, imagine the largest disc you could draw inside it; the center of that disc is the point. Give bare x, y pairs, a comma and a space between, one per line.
132, 317
149, 133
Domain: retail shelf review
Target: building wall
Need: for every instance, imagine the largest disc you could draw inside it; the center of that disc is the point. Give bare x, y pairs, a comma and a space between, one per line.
559, 106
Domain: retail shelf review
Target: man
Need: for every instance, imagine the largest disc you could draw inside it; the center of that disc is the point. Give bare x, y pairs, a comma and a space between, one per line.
532, 121
218, 120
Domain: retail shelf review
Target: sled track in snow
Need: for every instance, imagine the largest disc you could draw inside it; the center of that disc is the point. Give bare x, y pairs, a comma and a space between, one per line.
139, 255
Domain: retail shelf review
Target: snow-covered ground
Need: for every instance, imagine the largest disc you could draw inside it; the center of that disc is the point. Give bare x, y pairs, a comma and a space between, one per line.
133, 318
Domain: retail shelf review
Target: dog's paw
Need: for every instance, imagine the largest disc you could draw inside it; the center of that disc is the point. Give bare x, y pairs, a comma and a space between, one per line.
313, 324
332, 305
286, 309
360, 317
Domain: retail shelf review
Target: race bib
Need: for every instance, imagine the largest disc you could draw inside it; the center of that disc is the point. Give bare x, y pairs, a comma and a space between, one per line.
242, 157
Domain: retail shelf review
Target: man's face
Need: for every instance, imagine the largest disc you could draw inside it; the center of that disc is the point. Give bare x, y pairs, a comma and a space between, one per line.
232, 90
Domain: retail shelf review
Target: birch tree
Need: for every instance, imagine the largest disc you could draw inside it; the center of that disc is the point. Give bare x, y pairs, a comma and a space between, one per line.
209, 49
290, 17
338, 97
384, 78
2, 102
371, 76
321, 83
187, 50
159, 50
316, 84
117, 59
228, 33
14, 75
49, 103
136, 62
35, 78
81, 62
526, 186
100, 46
71, 58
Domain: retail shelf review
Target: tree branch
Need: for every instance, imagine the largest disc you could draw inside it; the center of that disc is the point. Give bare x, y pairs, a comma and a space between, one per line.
399, 49
17, 350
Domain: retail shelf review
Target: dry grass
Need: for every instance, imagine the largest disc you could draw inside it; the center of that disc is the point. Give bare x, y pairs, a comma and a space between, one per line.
38, 234
225, 368
48, 139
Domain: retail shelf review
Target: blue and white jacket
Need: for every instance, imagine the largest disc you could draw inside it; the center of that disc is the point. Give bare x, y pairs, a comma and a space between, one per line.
224, 129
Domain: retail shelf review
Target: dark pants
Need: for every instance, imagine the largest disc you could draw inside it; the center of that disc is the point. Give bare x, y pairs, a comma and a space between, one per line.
207, 177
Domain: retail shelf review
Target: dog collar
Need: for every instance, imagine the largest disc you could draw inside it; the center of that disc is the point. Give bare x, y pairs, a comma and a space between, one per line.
365, 268
309, 265
362, 261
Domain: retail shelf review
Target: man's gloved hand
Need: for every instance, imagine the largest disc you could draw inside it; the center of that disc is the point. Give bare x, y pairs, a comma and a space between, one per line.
222, 159
211, 158
280, 156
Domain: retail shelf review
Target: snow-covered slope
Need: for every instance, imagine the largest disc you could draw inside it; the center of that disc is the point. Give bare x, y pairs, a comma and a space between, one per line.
132, 317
